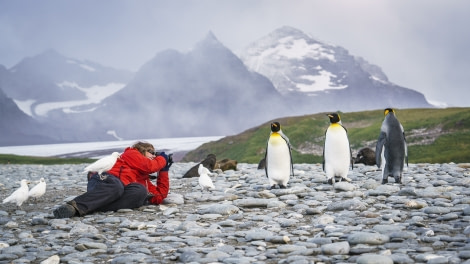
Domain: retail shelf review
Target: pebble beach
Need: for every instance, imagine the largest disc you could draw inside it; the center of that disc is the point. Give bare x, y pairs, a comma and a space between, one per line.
424, 220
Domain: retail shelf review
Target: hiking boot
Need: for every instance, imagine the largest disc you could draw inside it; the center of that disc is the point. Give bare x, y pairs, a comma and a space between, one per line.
65, 211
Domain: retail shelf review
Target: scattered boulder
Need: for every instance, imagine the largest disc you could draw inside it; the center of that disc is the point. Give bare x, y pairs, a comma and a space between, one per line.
209, 162
226, 164
366, 156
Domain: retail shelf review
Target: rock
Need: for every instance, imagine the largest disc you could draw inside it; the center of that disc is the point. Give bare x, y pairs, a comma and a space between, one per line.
368, 238
362, 221
374, 259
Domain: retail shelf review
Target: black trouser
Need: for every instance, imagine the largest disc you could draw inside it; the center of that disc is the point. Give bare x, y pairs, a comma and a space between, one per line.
107, 193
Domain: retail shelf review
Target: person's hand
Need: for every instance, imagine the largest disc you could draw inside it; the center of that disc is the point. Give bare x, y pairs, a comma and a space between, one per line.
169, 160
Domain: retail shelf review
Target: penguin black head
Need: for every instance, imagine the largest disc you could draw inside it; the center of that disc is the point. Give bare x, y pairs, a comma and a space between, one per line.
275, 126
388, 110
334, 118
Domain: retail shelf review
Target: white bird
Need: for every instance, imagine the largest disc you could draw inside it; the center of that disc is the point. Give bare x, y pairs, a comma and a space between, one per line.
103, 164
38, 190
204, 180
20, 195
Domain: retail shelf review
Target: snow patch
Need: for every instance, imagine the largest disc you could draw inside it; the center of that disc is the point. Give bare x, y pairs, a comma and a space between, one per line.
438, 104
378, 79
289, 48
82, 65
114, 134
95, 94
318, 82
299, 49
87, 67
25, 106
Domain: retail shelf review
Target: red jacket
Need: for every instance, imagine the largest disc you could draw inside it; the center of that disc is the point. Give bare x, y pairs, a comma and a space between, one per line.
132, 167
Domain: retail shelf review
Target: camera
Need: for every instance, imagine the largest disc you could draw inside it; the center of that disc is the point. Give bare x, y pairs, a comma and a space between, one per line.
170, 156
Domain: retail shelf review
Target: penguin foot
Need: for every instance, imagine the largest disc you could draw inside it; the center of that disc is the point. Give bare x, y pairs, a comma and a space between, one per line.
272, 187
346, 179
282, 186
331, 181
384, 181
398, 179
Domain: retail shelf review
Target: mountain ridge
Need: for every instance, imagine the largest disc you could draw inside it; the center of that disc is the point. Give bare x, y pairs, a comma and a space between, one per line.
206, 91
327, 77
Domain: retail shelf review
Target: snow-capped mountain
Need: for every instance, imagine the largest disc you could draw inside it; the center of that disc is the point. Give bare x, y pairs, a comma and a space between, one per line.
208, 91
324, 77
49, 88
51, 82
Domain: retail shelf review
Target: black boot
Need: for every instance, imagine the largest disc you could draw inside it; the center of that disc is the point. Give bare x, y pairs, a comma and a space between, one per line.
65, 211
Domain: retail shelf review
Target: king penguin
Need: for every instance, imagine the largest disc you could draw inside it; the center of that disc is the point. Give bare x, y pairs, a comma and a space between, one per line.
336, 152
278, 157
391, 151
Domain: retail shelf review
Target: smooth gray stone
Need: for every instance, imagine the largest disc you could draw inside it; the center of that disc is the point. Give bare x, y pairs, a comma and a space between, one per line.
174, 198
252, 203
344, 186
374, 259
352, 204
258, 234
368, 238
289, 248
338, 248
222, 209
436, 210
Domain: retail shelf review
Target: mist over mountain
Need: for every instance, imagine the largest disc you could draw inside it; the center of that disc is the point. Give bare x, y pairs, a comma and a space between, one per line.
208, 91
16, 127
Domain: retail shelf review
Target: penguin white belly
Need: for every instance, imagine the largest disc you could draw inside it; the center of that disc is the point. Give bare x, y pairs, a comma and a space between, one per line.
383, 162
337, 153
278, 161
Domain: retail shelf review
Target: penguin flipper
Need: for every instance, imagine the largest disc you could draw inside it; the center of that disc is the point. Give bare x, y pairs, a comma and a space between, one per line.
406, 150
291, 161
266, 160
323, 155
351, 160
378, 148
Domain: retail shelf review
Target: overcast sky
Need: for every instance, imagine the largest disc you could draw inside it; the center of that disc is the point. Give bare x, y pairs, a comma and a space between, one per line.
419, 44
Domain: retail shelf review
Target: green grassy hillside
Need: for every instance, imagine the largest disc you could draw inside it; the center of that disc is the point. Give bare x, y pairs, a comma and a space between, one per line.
433, 136
17, 159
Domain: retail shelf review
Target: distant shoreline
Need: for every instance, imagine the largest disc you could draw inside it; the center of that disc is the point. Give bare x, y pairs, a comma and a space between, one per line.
177, 155
94, 150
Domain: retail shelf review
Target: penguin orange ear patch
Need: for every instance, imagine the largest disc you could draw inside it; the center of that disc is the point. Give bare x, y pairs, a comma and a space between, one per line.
388, 110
